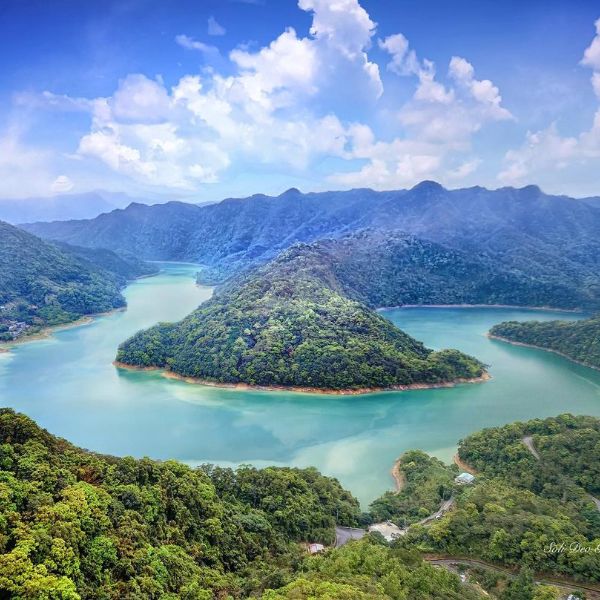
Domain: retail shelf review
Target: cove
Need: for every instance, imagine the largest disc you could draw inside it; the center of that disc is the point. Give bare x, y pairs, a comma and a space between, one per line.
68, 384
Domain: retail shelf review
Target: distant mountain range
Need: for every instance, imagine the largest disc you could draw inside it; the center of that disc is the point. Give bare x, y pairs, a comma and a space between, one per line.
62, 206
522, 232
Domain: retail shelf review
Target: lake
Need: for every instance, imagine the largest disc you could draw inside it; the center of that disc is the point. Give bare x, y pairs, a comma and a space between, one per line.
67, 383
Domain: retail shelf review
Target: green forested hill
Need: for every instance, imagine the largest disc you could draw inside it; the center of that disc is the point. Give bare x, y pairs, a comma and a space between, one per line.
578, 340
124, 265
290, 323
42, 284
79, 526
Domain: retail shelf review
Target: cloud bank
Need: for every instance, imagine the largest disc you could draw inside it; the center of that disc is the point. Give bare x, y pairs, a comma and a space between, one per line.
303, 106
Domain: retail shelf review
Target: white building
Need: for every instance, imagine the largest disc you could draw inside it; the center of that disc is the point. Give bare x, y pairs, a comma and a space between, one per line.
465, 478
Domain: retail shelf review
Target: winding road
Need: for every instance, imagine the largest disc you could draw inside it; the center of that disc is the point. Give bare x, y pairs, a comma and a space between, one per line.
528, 441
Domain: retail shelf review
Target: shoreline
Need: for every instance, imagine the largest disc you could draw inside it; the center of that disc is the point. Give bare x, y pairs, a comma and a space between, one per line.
303, 390
466, 306
551, 350
398, 475
47, 332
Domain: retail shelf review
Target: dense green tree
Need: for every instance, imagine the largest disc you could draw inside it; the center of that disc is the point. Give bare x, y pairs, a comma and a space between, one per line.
577, 340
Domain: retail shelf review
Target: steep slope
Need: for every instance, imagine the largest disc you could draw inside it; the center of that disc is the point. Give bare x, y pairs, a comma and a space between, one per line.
289, 323
522, 230
579, 340
124, 265
41, 284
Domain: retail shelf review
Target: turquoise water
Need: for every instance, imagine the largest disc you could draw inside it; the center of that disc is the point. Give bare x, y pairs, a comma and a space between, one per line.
68, 384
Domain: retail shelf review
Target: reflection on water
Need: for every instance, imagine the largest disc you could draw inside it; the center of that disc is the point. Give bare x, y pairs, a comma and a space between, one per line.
68, 384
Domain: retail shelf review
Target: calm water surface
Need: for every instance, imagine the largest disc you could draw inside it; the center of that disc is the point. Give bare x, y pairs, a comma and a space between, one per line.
68, 384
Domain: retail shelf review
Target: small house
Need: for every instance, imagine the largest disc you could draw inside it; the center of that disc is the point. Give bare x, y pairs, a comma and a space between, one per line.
465, 478
315, 548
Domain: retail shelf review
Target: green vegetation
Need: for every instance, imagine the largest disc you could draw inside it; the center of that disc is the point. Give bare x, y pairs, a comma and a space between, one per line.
289, 324
393, 269
427, 482
568, 447
366, 570
579, 340
41, 284
525, 511
77, 525
499, 523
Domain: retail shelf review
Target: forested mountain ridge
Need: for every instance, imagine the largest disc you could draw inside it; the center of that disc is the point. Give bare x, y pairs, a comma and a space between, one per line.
392, 269
42, 284
521, 230
578, 340
76, 525
290, 323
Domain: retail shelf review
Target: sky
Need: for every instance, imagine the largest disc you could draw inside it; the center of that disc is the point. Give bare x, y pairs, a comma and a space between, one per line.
206, 99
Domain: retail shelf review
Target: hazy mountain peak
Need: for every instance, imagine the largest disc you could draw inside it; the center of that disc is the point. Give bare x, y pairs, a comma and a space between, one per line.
428, 186
293, 191
531, 191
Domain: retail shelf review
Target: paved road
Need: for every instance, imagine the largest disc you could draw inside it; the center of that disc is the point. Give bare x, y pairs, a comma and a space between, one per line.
444, 508
528, 441
344, 534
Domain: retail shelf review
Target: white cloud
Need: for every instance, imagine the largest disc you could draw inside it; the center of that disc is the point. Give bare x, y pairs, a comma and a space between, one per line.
596, 83
209, 52
23, 170
546, 153
430, 90
483, 91
275, 75
214, 27
342, 24
61, 185
140, 99
591, 56
404, 61
465, 169
276, 109
438, 125
342, 32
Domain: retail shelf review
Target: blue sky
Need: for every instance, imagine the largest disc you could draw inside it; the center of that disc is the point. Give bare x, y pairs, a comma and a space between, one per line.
201, 99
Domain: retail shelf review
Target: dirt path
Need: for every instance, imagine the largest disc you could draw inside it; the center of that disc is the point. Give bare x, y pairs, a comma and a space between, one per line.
463, 466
